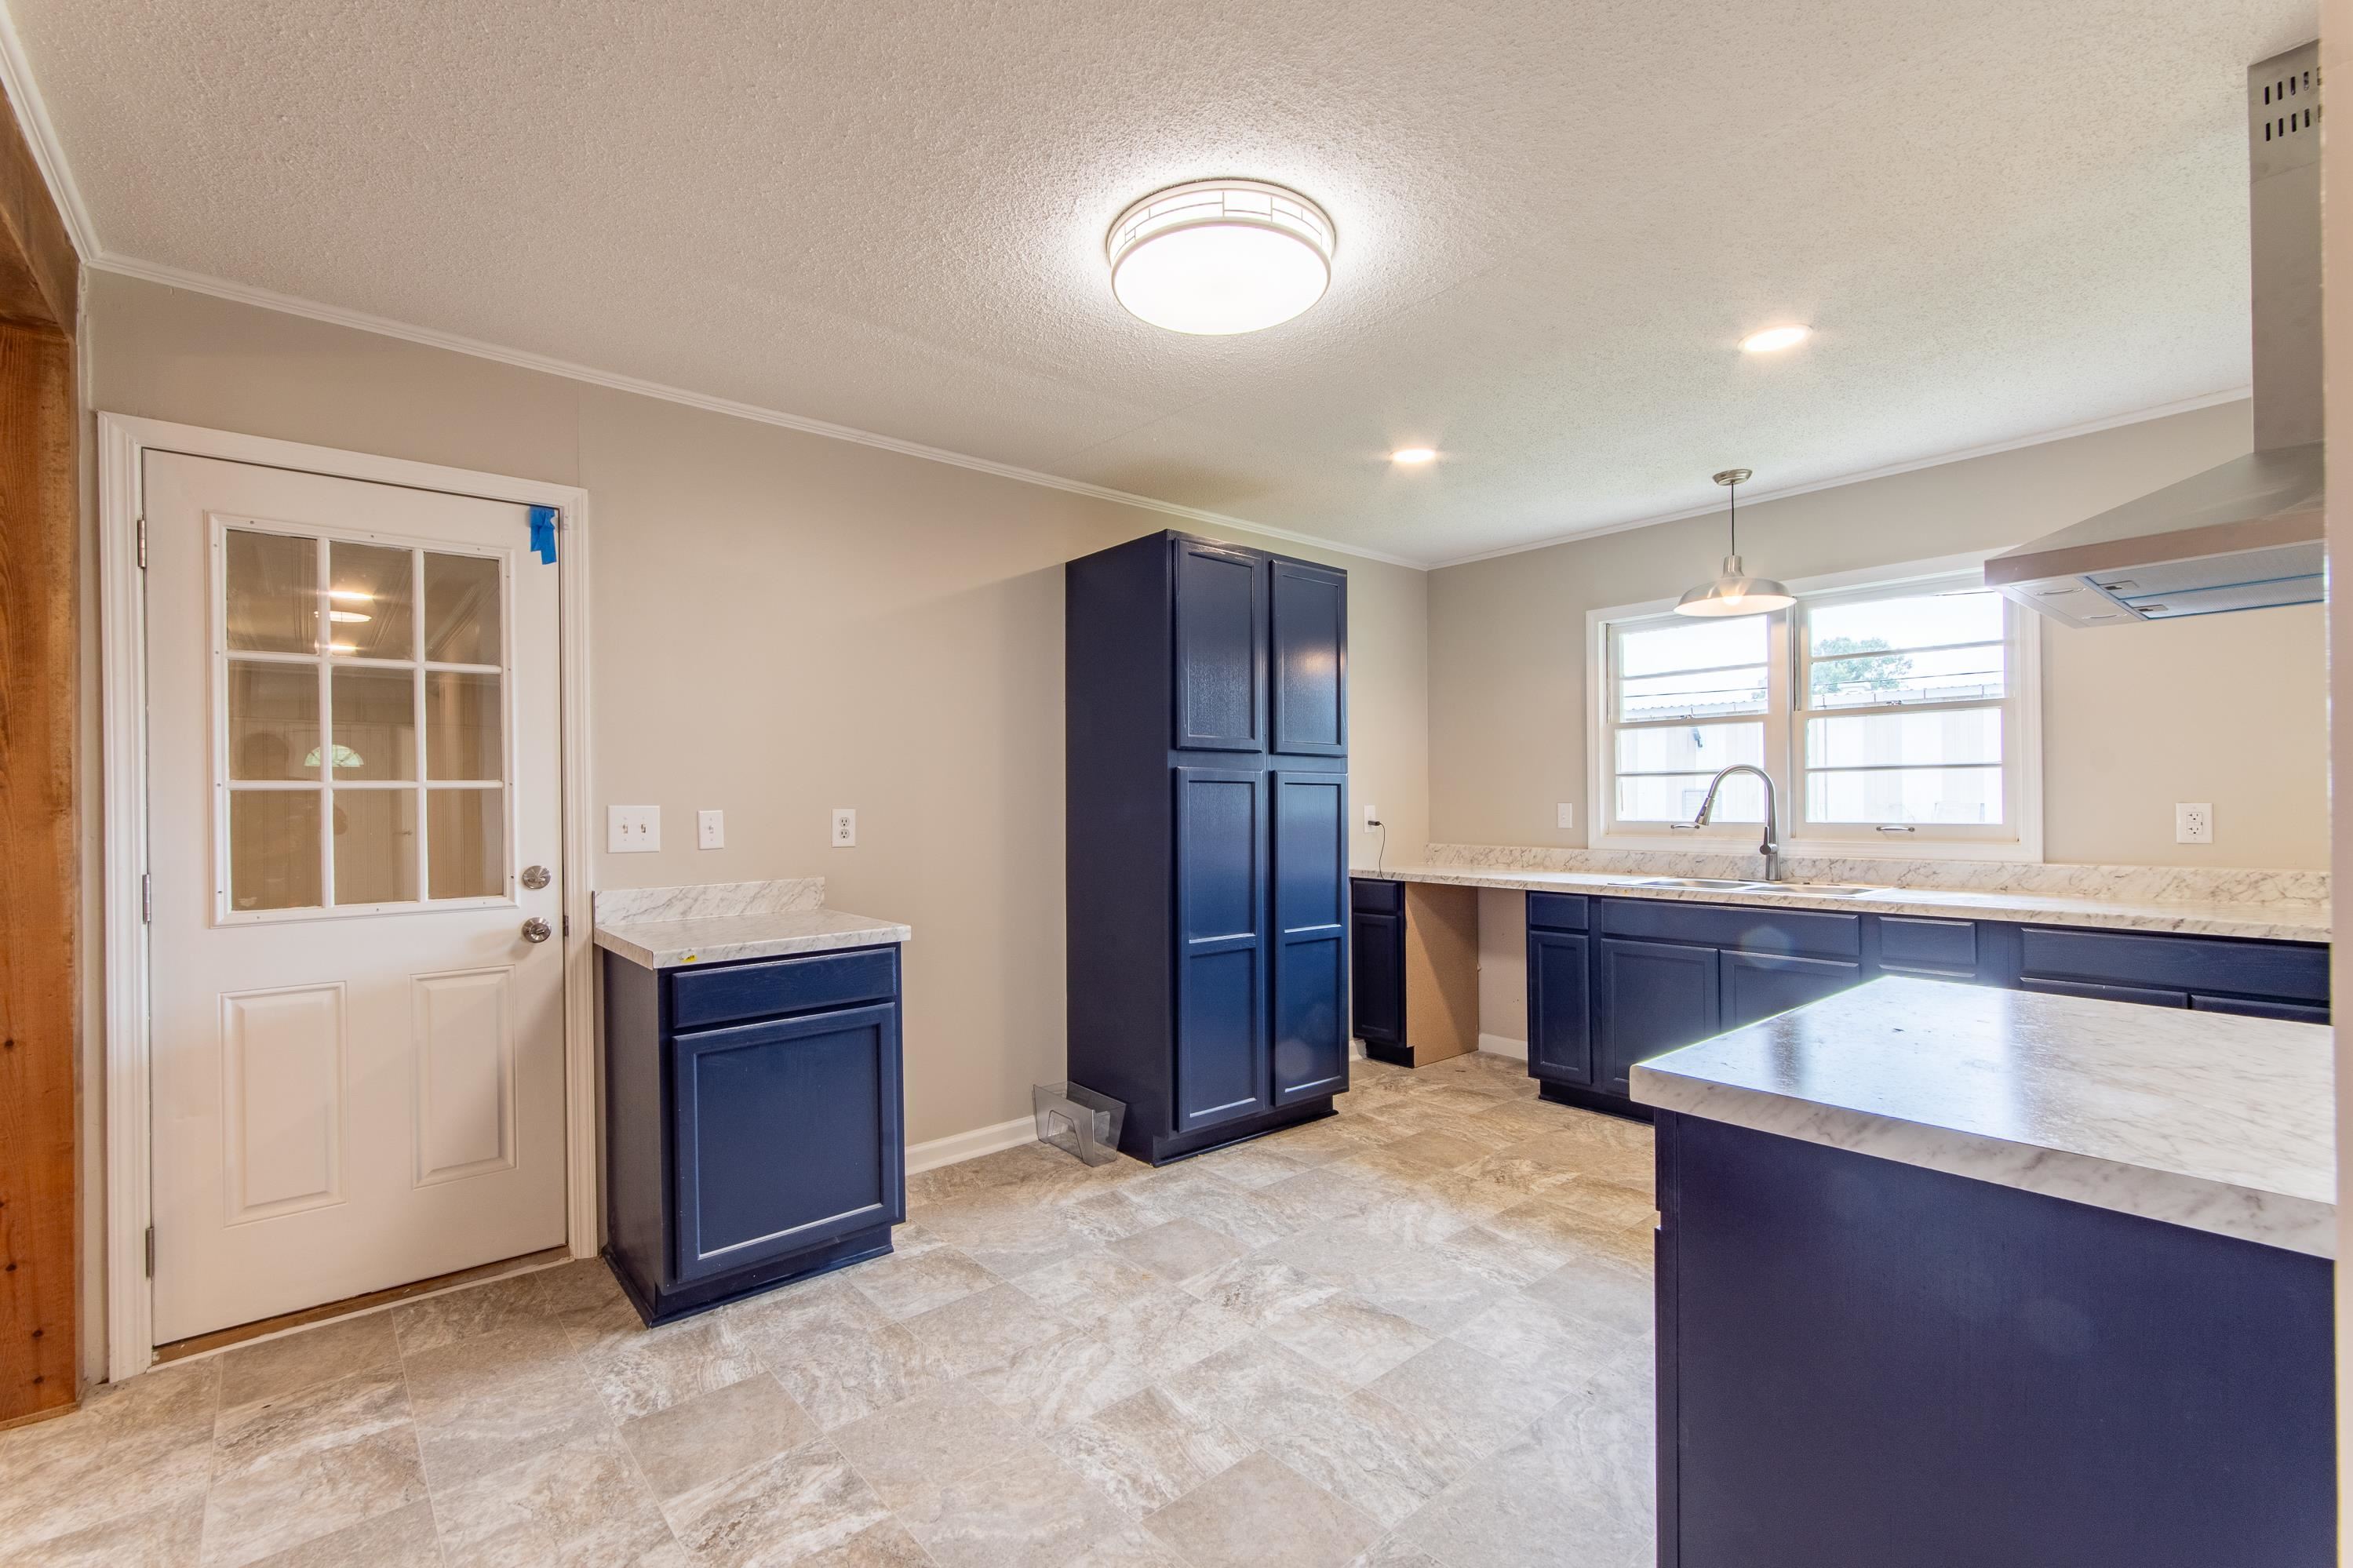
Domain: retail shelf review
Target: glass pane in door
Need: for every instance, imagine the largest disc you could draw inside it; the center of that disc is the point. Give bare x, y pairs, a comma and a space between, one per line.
461, 726
374, 724
375, 846
273, 720
462, 609
370, 602
465, 833
273, 837
271, 592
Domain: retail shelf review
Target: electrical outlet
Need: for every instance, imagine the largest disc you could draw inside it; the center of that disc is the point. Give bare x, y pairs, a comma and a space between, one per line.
709, 830
1372, 817
1564, 813
845, 826
632, 829
2193, 821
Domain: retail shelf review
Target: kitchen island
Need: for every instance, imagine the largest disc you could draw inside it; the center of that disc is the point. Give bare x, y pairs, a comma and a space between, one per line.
1955, 1275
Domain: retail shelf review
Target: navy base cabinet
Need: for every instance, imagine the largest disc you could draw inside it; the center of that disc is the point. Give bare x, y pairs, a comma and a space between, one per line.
1867, 1362
1613, 982
753, 1123
1206, 850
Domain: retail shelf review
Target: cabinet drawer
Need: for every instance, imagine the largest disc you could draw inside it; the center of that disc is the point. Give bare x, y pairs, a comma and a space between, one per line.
1808, 933
699, 997
2292, 971
1378, 896
1909, 945
2289, 1012
1557, 912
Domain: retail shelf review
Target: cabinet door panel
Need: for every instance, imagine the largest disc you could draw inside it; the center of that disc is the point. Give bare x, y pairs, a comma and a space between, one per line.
1560, 1044
1756, 985
1378, 979
1220, 657
1310, 653
1221, 1011
2249, 1008
1310, 931
1653, 997
787, 1134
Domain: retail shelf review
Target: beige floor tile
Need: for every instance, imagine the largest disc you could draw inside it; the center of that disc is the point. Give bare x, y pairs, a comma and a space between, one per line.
1258, 1164
404, 1538
583, 1282
986, 1329
583, 1505
1519, 1507
1348, 1339
1087, 1285
1258, 1514
1007, 1233
498, 1398
701, 1441
927, 1442
1254, 1387
1514, 1260
1259, 1288
637, 1370
1383, 1461
1158, 1335
1601, 1289
318, 1355
1135, 1548
804, 1501
1146, 1451
476, 1309
130, 1449
283, 1498
1056, 1381
171, 1536
1107, 1216
1394, 1551
884, 1545
836, 1354
1177, 1251
322, 1414
1026, 1509
906, 1283
1481, 1403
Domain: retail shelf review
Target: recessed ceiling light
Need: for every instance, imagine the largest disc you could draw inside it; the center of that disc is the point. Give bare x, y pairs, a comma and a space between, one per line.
348, 616
1775, 338
1219, 256
351, 595
1413, 455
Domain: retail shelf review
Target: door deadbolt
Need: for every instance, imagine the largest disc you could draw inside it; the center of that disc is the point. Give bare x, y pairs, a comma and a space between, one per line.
534, 878
536, 929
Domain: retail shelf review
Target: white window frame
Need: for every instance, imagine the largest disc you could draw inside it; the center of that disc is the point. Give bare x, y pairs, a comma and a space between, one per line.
2020, 838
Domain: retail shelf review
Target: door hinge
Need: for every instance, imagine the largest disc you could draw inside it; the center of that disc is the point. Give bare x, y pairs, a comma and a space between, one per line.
143, 544
151, 1252
568, 925
146, 897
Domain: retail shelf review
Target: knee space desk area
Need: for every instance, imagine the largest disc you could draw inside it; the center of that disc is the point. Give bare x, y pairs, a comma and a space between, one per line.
1618, 972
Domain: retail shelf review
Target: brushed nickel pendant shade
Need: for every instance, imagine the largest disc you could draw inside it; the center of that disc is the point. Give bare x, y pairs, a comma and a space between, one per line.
1735, 592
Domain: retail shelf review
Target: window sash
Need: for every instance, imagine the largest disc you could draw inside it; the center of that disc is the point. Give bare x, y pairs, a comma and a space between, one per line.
1789, 706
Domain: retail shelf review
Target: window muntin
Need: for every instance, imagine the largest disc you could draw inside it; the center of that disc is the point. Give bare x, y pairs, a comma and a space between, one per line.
1884, 714
356, 771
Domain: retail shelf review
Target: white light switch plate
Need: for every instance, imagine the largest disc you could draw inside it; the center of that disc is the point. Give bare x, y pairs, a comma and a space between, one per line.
845, 826
632, 829
1564, 813
2193, 821
709, 830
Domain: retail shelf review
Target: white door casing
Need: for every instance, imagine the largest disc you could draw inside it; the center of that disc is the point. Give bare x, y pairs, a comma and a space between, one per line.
349, 1081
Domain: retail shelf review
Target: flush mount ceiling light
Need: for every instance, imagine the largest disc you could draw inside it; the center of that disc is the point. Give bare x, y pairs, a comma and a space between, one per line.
1734, 593
1773, 339
1414, 454
1219, 256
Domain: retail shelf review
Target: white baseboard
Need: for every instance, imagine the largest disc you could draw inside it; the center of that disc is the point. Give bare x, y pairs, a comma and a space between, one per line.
1503, 1046
958, 1147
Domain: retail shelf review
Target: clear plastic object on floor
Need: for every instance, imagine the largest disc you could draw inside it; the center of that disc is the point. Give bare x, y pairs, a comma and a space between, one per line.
1079, 1120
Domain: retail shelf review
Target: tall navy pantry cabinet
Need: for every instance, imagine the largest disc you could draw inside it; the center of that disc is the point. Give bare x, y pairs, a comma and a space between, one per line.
1206, 732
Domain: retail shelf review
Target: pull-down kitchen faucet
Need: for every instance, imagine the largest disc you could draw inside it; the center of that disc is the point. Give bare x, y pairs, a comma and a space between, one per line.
1771, 848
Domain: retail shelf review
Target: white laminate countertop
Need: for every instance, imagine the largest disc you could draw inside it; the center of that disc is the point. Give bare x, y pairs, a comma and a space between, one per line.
2216, 1122
664, 928
2274, 922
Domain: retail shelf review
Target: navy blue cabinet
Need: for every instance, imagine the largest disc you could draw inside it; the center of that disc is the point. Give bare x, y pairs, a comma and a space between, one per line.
754, 1128
1206, 785
1660, 973
1377, 963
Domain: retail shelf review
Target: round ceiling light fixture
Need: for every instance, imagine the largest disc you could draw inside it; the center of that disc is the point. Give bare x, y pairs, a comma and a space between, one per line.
1772, 340
1219, 256
1412, 455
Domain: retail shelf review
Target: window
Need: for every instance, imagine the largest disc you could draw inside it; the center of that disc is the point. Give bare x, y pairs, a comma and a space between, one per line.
1898, 714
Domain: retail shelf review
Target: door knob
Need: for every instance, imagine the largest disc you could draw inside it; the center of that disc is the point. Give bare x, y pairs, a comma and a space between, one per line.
534, 878
536, 929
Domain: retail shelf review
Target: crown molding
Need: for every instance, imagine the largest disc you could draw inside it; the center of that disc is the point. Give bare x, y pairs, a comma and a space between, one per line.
2090, 428
337, 315
33, 114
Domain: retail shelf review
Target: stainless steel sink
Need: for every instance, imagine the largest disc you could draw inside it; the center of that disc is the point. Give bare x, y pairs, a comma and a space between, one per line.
1710, 884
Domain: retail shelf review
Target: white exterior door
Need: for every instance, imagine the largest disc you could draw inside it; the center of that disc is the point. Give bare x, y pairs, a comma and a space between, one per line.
354, 809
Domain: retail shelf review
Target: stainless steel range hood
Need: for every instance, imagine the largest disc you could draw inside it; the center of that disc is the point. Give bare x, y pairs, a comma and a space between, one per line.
2245, 535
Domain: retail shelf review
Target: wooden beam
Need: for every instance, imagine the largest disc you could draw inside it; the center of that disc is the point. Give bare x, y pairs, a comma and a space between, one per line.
37, 871
40, 281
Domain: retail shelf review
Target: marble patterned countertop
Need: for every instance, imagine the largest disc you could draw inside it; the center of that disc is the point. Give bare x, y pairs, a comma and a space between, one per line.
718, 923
2273, 905
2205, 1120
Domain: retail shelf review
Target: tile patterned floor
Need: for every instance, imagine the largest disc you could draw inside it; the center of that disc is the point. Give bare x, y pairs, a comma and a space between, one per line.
1414, 1335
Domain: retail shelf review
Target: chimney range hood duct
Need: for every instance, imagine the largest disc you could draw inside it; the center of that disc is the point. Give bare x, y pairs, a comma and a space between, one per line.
2245, 535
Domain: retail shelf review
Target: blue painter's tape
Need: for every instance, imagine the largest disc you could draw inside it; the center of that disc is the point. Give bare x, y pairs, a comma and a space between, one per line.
542, 532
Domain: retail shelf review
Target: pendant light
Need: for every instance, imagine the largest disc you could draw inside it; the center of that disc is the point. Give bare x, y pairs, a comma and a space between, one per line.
1734, 593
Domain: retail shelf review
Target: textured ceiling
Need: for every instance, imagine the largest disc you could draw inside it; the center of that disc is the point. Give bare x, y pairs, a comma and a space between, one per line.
1557, 217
